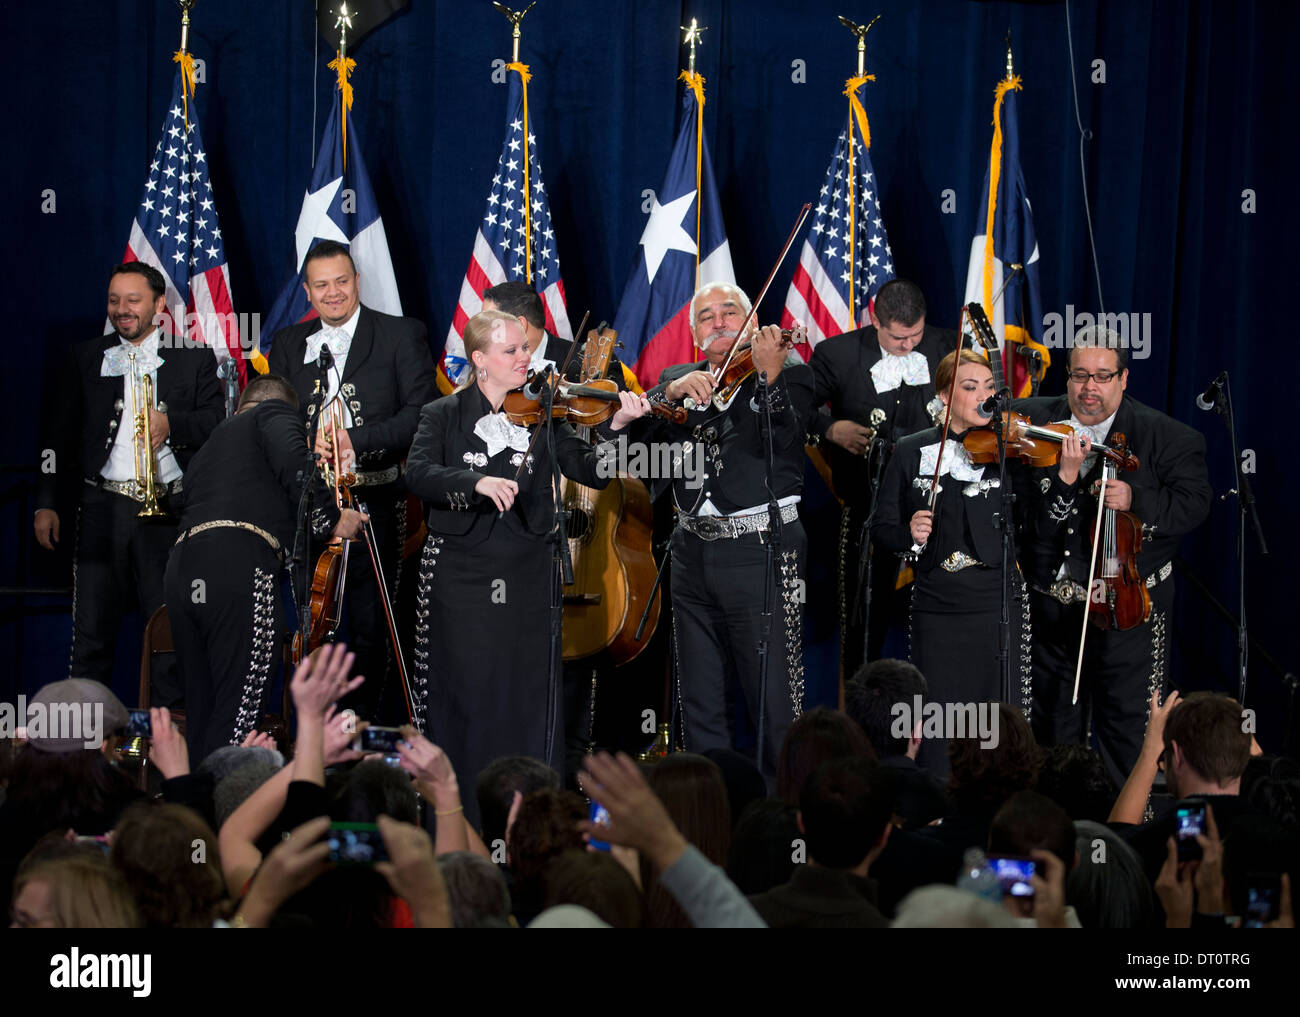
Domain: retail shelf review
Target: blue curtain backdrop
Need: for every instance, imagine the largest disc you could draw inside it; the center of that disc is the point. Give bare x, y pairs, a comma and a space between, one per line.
1197, 106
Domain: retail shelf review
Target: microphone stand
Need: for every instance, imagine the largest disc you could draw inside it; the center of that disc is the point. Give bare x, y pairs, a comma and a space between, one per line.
302, 532
561, 572
762, 396
1004, 520
866, 556
1245, 507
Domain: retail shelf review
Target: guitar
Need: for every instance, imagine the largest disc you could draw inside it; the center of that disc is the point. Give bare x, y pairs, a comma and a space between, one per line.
610, 544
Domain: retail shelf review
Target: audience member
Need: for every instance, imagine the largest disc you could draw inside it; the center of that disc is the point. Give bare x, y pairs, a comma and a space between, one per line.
476, 891
1075, 778
694, 794
844, 813
594, 880
817, 736
764, 846
870, 698
79, 891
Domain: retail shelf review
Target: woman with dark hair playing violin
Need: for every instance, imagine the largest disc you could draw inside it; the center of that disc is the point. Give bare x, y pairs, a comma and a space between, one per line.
483, 602
957, 547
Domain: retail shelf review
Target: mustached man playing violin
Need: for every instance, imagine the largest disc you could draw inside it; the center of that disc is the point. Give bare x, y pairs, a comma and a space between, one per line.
1169, 494
719, 560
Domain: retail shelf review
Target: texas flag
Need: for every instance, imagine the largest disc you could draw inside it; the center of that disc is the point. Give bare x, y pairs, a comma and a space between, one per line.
339, 205
683, 246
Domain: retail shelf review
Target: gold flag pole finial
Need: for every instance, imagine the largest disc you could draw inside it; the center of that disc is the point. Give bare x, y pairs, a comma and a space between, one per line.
343, 24
693, 32
186, 6
861, 32
1011, 72
515, 17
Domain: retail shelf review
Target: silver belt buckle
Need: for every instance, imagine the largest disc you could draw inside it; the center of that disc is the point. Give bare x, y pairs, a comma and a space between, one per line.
709, 528
1066, 591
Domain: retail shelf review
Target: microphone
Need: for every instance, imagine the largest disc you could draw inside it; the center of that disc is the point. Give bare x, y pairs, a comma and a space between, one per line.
326, 359
538, 384
1209, 399
1029, 353
989, 406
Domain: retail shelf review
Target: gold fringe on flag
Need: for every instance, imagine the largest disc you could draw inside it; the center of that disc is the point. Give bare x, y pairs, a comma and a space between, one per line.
860, 115
995, 175
524, 78
186, 60
695, 82
344, 66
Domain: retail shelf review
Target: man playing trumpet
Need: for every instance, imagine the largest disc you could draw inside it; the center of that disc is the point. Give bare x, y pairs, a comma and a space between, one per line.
94, 455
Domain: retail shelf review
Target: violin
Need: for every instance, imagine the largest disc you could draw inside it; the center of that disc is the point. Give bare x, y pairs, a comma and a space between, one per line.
585, 405
1036, 444
739, 365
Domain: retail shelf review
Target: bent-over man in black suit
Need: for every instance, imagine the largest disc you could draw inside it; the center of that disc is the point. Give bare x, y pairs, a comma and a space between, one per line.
238, 517
877, 380
382, 373
89, 432
1169, 493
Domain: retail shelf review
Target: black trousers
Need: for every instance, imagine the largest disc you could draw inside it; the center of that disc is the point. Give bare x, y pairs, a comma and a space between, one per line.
888, 605
227, 617
118, 566
366, 631
1120, 672
717, 593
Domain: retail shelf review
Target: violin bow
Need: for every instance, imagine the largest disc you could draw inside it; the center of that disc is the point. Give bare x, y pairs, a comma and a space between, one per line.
947, 416
1092, 566
753, 309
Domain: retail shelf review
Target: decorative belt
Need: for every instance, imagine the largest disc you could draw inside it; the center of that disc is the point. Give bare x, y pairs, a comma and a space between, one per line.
215, 524
132, 489
373, 478
1067, 591
719, 527
959, 560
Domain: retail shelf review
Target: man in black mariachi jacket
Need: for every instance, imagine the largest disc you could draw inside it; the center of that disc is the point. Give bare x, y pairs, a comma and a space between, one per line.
383, 373
238, 517
718, 575
1169, 493
89, 461
876, 382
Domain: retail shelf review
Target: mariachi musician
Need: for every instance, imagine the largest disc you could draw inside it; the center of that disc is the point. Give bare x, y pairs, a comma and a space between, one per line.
878, 383
483, 619
719, 574
955, 541
1169, 494
382, 373
238, 515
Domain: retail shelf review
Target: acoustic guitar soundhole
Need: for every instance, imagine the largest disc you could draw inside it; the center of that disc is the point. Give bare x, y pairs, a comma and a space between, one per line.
579, 523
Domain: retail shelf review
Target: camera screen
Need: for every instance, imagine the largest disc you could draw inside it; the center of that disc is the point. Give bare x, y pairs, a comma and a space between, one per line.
1014, 875
1191, 822
138, 724
380, 739
356, 844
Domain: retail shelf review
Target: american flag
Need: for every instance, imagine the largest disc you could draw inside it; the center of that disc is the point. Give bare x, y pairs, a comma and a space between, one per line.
515, 232
175, 230
846, 257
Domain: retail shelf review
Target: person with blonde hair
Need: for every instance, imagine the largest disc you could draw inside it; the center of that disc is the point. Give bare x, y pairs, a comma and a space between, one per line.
80, 891
483, 611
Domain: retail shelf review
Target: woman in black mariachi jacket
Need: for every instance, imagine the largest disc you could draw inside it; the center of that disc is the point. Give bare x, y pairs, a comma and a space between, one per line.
957, 598
483, 602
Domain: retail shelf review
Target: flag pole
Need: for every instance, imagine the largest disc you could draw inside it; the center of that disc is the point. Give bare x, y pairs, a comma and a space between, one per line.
855, 106
343, 65
183, 57
695, 82
514, 17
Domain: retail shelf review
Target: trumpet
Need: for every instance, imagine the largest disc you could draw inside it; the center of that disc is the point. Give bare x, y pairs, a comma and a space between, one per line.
146, 463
